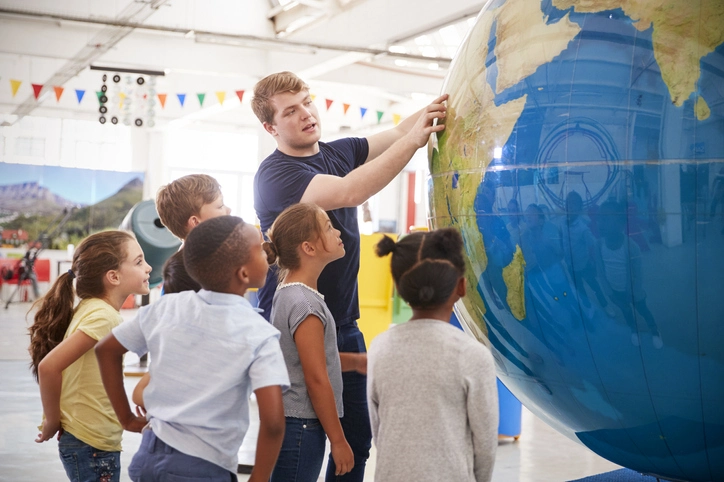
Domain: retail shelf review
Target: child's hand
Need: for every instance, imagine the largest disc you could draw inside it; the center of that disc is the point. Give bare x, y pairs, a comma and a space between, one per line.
134, 424
342, 456
47, 430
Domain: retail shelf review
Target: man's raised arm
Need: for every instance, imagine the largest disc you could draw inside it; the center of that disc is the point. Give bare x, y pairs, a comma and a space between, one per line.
333, 192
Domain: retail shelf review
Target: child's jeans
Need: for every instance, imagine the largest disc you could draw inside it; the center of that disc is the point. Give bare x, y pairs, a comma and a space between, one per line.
84, 463
156, 461
302, 453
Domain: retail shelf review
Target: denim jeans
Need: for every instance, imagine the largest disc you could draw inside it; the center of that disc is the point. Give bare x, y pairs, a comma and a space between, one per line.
156, 461
302, 453
356, 419
84, 463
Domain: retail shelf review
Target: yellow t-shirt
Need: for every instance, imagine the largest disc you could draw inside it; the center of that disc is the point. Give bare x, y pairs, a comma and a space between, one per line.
85, 410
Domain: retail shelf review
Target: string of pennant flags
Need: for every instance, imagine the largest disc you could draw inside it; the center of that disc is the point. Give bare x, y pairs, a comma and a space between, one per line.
181, 97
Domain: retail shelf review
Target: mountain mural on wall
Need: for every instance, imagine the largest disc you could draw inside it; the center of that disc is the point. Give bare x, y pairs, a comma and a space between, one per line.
38, 206
31, 198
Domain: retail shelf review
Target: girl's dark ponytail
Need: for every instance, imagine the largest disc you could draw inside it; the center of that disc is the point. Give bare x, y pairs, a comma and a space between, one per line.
52, 319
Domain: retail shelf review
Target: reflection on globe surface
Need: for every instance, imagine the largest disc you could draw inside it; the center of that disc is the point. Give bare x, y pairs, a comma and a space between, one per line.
583, 162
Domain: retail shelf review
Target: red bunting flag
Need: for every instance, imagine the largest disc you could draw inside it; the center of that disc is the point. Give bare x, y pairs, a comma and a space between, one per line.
36, 90
58, 92
162, 100
345, 107
329, 103
240, 95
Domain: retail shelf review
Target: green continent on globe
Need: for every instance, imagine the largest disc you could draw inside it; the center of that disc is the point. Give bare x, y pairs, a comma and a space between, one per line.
514, 277
681, 36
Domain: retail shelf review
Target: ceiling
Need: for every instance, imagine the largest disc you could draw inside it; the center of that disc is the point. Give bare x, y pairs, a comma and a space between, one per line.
382, 56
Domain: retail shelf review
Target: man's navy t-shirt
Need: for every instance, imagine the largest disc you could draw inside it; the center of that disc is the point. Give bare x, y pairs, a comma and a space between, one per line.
280, 182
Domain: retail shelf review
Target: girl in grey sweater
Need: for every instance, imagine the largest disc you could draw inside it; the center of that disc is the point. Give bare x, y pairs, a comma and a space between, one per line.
431, 388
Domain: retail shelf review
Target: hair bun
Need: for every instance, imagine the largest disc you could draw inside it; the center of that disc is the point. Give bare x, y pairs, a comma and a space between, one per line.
446, 240
385, 246
271, 251
426, 294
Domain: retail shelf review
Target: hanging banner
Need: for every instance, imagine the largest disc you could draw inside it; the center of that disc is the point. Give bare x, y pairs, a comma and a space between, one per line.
329, 103
201, 99
396, 118
240, 95
345, 108
379, 116
79, 94
99, 94
162, 100
181, 99
58, 92
15, 85
362, 112
221, 96
36, 90
312, 97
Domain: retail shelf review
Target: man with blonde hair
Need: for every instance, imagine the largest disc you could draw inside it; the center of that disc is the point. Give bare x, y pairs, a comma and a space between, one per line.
337, 176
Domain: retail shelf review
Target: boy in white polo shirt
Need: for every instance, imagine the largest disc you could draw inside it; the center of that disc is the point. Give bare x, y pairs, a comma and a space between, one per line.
210, 350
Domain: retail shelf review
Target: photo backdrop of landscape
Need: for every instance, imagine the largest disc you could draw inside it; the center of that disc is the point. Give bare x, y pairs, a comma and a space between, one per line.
66, 203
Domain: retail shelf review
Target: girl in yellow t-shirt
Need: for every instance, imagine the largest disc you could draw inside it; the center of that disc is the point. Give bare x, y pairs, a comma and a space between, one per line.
107, 268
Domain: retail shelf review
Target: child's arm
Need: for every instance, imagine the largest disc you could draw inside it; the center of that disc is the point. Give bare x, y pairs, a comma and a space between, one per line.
309, 338
137, 396
109, 352
271, 432
353, 362
50, 379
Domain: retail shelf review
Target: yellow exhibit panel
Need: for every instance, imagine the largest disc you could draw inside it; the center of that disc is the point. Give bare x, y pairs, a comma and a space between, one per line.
375, 288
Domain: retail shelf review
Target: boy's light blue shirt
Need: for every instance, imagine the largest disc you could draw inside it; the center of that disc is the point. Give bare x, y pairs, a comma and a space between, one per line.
208, 352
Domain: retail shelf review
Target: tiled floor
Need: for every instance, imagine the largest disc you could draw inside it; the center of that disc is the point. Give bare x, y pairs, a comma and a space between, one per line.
540, 455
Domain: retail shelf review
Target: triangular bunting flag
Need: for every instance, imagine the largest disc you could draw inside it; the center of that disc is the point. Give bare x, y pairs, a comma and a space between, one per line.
99, 94
181, 99
221, 95
240, 95
329, 103
345, 108
36, 90
396, 118
79, 94
379, 116
362, 112
162, 100
201, 98
58, 92
312, 97
15, 85
122, 97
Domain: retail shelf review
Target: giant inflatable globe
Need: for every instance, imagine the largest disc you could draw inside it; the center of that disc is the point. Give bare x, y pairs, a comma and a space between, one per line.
583, 163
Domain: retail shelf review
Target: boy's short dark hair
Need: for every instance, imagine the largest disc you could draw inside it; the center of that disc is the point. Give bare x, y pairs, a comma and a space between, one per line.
270, 86
177, 201
215, 250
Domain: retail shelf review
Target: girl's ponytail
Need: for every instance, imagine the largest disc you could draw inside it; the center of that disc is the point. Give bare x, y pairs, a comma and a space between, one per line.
52, 319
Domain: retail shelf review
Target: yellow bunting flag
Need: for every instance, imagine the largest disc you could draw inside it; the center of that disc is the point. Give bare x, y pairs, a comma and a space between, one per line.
58, 92
15, 85
396, 118
122, 96
221, 96
313, 97
162, 100
345, 108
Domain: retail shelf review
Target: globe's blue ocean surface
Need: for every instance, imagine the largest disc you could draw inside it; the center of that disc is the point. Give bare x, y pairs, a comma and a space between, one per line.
583, 162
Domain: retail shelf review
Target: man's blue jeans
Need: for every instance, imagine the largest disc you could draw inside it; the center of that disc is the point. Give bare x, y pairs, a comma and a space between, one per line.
84, 463
356, 419
302, 452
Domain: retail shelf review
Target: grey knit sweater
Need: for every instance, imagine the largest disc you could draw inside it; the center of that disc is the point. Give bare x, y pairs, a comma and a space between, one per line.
433, 404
